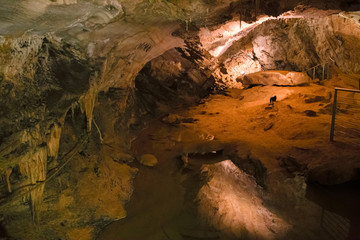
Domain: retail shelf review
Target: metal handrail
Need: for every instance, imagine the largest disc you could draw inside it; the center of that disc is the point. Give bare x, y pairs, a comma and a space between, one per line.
333, 118
348, 90
322, 65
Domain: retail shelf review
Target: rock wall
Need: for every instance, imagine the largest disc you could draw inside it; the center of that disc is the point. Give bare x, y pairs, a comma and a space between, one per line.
49, 85
173, 79
299, 44
41, 77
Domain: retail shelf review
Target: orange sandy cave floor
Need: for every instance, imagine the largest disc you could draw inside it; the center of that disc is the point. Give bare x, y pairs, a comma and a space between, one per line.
242, 117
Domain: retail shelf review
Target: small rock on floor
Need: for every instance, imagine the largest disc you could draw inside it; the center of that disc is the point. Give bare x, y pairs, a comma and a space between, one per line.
268, 126
310, 113
314, 99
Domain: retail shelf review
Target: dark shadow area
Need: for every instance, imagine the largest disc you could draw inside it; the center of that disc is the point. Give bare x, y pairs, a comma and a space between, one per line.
340, 208
3, 233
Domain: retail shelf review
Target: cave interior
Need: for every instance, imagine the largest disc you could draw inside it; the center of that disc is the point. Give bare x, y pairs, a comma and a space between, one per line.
179, 119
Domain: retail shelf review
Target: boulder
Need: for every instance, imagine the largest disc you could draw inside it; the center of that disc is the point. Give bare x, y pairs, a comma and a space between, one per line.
148, 160
122, 157
279, 78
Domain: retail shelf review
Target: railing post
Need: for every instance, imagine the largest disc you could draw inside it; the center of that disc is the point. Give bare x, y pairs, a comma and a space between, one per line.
313, 73
328, 67
240, 18
333, 117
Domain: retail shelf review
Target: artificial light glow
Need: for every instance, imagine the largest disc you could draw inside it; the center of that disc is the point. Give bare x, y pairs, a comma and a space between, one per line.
219, 40
353, 16
223, 37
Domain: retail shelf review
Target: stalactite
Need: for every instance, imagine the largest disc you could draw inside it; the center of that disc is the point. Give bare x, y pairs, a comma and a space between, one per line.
34, 166
36, 197
73, 107
53, 141
32, 136
87, 105
7, 176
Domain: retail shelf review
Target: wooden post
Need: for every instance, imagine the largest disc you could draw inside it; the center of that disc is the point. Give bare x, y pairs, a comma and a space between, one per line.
333, 117
323, 73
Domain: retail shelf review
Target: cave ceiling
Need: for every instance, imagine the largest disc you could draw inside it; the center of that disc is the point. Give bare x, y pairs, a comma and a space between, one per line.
71, 17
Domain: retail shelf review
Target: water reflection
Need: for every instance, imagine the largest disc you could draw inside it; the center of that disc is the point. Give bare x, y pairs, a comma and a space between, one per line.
340, 216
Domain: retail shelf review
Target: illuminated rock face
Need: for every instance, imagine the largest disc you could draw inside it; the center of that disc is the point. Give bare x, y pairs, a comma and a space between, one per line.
305, 43
294, 44
231, 200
